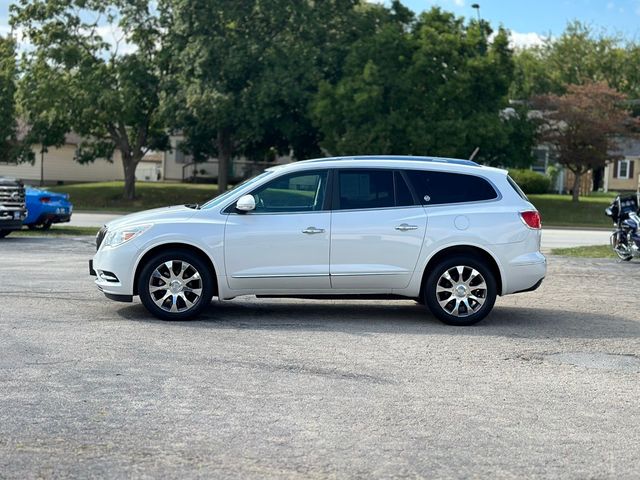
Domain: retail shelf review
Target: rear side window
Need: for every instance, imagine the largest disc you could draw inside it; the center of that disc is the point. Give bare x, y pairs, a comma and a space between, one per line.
437, 188
366, 189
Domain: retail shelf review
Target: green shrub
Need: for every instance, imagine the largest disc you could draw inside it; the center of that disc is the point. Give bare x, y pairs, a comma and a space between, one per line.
530, 181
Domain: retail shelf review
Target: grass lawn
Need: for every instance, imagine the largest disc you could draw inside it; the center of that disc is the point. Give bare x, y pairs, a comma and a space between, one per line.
593, 251
107, 196
57, 231
559, 210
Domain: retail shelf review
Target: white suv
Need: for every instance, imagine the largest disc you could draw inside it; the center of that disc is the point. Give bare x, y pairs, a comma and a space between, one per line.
448, 233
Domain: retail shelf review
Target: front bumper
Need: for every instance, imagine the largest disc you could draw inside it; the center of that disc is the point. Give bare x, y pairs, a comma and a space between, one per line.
114, 270
11, 219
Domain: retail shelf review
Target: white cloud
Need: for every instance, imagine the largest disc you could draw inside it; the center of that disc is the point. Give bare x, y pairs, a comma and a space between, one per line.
459, 3
523, 40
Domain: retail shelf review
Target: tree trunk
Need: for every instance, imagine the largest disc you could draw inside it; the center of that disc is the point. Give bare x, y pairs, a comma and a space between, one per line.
130, 162
224, 160
576, 186
42, 151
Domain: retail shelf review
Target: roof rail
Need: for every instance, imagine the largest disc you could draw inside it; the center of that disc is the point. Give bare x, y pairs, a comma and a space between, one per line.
454, 161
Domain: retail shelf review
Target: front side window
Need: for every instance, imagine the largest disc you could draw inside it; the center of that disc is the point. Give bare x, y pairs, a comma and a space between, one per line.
296, 192
438, 188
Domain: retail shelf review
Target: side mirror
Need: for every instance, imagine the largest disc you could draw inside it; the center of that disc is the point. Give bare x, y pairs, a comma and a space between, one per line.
246, 203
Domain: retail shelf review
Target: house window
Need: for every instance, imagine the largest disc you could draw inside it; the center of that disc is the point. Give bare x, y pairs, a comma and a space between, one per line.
623, 169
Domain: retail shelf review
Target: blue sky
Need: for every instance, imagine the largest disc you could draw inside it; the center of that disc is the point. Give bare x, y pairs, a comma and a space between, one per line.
528, 20
542, 17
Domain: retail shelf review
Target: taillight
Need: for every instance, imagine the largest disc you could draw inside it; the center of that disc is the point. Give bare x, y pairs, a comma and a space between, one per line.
532, 219
45, 199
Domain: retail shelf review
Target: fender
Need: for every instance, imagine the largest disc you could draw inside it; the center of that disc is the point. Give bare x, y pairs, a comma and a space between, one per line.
416, 280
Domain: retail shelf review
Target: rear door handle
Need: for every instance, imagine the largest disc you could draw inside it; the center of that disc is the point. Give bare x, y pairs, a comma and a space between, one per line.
405, 227
312, 230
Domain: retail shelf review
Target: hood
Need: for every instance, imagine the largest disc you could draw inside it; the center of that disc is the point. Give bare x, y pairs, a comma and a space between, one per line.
178, 213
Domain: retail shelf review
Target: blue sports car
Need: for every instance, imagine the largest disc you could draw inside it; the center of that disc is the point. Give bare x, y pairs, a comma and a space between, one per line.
44, 208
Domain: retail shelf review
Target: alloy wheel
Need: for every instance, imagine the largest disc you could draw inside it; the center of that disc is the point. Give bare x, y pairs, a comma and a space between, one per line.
461, 291
175, 286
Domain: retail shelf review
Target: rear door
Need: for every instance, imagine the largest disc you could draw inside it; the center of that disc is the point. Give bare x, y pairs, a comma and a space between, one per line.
377, 230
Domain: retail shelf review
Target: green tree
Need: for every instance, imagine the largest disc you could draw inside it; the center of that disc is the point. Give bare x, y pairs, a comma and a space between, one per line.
42, 100
247, 71
12, 146
579, 56
435, 86
112, 97
582, 126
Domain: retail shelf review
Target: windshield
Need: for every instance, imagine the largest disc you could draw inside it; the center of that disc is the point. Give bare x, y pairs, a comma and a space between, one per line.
222, 198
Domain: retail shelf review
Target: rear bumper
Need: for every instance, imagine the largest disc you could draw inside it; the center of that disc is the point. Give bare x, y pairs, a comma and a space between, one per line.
525, 273
50, 217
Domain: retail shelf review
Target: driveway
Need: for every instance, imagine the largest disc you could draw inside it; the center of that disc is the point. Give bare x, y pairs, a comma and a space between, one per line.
548, 386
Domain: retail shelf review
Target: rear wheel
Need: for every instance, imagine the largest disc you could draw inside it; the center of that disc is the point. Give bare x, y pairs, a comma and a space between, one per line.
46, 225
460, 291
176, 285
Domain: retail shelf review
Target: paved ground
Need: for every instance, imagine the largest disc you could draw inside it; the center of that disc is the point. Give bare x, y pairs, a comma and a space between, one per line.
293, 389
551, 238
82, 219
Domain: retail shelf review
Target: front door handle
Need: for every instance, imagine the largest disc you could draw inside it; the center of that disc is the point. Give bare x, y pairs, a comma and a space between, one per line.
405, 227
312, 230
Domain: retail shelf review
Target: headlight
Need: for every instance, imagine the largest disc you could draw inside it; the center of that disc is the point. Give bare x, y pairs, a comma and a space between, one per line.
122, 235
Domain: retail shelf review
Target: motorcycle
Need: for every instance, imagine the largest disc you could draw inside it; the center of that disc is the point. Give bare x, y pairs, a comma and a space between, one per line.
625, 213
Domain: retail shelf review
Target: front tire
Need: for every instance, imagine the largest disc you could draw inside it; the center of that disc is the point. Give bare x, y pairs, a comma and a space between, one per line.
460, 291
176, 285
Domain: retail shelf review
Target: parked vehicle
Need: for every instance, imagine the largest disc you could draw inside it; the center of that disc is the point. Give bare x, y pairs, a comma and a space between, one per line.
44, 208
12, 206
449, 233
625, 240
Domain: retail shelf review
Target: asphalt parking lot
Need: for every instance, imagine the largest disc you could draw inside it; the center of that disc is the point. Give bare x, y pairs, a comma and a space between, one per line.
547, 387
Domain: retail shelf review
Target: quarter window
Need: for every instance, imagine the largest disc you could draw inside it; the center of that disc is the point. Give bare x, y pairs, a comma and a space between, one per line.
437, 188
297, 192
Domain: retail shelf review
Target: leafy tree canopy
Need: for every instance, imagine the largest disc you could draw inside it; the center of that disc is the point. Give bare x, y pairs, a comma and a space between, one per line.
434, 86
110, 97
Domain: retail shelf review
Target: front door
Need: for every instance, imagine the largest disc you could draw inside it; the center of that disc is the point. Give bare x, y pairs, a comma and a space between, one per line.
377, 230
283, 245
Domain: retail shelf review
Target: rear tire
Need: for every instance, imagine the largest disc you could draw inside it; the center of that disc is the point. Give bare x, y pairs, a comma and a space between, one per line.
176, 285
460, 290
46, 225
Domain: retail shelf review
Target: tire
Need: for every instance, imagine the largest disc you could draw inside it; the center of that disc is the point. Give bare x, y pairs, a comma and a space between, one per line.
190, 277
4, 233
46, 225
477, 289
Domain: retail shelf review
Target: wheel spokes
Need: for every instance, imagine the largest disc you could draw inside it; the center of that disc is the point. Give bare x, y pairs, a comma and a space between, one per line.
171, 291
461, 291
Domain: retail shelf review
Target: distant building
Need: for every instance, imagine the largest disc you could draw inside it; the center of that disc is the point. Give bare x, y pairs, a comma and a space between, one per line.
624, 174
60, 166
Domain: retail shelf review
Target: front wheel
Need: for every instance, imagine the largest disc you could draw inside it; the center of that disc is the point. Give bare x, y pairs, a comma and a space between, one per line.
176, 285
460, 291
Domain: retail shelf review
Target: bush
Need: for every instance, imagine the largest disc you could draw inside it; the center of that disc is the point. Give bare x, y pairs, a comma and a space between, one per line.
530, 181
